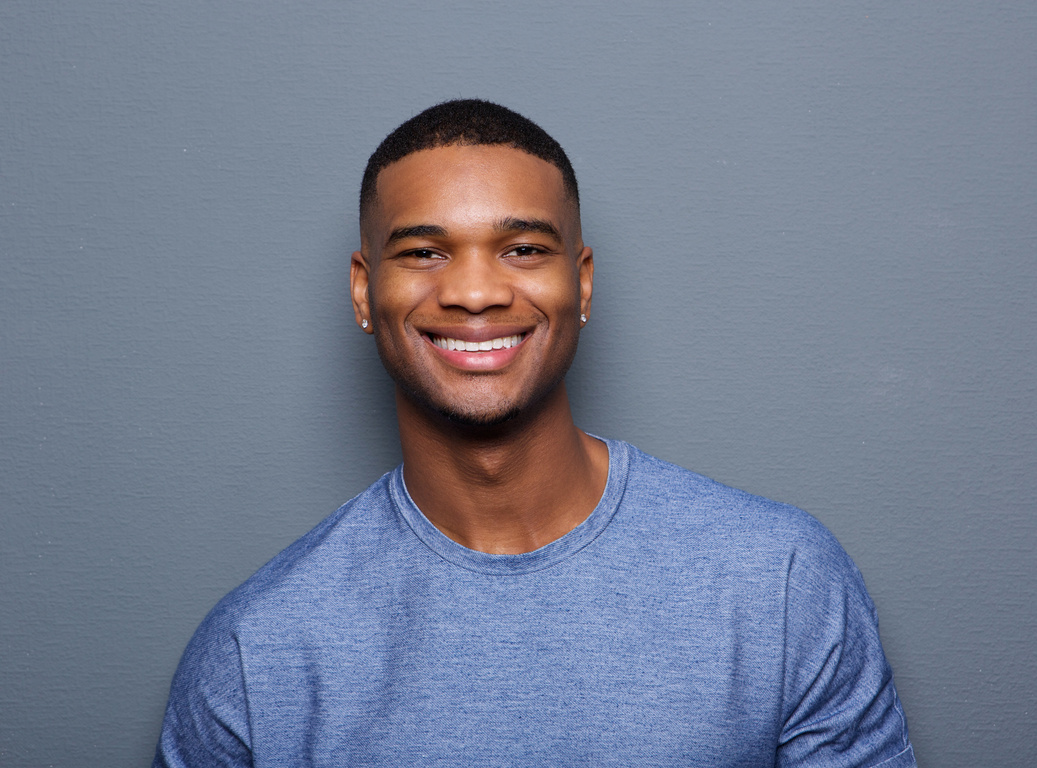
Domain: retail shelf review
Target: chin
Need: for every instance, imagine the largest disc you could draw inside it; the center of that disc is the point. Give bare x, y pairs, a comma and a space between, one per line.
478, 412
472, 412
483, 418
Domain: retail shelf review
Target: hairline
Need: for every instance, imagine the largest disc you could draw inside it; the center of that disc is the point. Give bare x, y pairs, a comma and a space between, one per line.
571, 195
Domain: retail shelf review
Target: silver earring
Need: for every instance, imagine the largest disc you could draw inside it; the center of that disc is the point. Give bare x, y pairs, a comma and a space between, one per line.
583, 318
363, 323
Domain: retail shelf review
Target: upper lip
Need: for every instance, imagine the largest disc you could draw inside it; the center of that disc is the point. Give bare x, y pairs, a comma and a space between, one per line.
476, 333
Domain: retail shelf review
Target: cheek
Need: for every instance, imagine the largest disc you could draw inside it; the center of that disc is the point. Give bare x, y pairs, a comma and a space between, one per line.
560, 296
393, 297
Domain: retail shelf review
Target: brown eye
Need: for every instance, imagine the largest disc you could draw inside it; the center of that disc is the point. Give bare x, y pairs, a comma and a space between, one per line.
422, 254
524, 251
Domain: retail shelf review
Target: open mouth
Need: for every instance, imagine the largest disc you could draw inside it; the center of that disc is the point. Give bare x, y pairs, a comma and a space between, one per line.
503, 342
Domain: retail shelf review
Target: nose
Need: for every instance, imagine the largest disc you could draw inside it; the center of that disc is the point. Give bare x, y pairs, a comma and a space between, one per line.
475, 282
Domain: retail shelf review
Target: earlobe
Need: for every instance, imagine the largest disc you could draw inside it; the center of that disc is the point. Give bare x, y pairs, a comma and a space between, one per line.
359, 283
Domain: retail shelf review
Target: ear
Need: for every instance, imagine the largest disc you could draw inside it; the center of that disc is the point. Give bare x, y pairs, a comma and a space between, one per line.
359, 283
585, 265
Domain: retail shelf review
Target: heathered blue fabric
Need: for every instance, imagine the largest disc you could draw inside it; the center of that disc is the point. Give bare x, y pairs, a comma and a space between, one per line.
683, 623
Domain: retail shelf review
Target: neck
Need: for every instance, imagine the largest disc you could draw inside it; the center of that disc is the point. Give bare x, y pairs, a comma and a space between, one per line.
505, 489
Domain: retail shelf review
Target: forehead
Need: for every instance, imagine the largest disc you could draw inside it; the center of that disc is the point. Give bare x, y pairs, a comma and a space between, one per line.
469, 184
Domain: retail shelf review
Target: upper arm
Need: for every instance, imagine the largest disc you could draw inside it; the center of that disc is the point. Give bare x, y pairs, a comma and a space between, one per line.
206, 721
840, 706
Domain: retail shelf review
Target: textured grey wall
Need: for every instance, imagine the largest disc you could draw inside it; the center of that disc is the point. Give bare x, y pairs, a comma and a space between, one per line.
815, 236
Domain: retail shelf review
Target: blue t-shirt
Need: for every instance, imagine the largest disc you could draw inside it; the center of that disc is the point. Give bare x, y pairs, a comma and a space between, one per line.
683, 623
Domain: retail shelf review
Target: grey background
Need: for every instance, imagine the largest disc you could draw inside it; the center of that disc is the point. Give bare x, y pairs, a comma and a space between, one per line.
814, 226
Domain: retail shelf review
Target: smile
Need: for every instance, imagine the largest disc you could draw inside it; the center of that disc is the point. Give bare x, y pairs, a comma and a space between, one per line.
504, 342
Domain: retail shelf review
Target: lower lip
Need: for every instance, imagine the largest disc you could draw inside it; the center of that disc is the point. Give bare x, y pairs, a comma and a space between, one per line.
489, 360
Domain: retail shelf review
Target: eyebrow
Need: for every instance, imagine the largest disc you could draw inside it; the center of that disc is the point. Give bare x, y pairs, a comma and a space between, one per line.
512, 224
507, 224
419, 230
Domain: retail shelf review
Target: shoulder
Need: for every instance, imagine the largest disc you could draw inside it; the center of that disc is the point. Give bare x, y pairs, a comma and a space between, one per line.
703, 511
787, 573
349, 539
206, 715
755, 551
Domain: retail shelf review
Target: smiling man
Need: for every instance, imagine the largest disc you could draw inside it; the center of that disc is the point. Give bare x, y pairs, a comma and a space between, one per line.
519, 592
474, 280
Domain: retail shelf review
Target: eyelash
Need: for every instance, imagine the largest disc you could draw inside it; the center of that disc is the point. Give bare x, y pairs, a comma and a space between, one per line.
528, 251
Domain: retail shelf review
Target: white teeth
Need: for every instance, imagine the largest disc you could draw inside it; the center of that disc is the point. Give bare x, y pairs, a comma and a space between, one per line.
504, 342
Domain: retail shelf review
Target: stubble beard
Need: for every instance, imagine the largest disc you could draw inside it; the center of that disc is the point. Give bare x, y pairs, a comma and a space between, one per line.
473, 409
473, 412
472, 416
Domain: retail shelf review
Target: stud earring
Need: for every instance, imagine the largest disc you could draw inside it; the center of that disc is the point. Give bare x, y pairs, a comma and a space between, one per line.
363, 323
583, 318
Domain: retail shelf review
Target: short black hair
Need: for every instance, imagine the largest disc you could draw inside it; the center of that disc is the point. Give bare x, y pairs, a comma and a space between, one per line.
466, 122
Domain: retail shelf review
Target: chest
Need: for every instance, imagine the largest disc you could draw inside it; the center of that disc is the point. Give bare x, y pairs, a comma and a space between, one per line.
519, 672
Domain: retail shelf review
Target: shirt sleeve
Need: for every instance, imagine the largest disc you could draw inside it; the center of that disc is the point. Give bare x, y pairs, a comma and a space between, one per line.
840, 707
206, 721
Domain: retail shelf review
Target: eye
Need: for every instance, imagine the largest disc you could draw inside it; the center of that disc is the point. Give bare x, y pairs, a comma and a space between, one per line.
524, 252
422, 254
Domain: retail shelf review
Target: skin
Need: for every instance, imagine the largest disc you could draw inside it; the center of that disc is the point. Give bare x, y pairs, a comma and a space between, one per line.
475, 243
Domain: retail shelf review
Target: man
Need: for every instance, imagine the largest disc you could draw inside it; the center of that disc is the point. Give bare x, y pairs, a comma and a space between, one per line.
519, 592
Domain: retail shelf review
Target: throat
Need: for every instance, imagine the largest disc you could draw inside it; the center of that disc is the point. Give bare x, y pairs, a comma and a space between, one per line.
512, 497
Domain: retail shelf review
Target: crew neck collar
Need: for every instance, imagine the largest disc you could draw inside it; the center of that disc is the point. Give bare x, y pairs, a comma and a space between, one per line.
526, 562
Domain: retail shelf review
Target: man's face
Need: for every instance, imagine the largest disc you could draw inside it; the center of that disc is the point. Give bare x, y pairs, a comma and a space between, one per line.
473, 275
